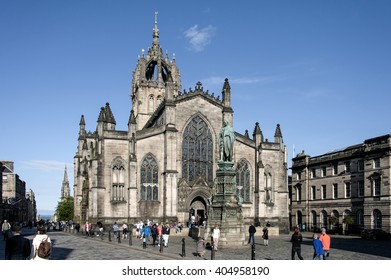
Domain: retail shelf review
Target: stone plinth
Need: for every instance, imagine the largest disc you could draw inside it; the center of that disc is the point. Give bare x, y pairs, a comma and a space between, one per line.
225, 208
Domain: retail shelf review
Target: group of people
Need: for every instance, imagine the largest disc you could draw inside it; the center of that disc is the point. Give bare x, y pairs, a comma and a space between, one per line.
321, 244
18, 247
265, 234
160, 233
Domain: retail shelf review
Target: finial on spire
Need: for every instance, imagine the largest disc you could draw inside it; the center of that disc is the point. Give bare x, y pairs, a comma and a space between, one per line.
155, 30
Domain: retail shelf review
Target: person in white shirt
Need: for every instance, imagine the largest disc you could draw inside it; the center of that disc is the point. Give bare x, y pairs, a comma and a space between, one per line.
41, 235
216, 236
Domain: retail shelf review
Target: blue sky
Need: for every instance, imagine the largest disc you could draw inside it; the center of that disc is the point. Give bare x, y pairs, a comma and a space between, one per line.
321, 69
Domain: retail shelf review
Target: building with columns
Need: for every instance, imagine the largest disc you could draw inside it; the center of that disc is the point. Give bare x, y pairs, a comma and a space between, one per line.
163, 166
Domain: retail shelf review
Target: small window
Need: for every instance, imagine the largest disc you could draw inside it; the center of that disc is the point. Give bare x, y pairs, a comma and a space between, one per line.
376, 186
335, 169
335, 191
347, 166
347, 190
323, 191
360, 188
324, 171
313, 192
360, 165
376, 163
313, 173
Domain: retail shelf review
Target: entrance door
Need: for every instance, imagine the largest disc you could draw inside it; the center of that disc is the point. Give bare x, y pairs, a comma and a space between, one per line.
199, 207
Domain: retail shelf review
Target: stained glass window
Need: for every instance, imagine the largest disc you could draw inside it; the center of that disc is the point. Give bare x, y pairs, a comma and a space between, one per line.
243, 180
149, 179
197, 151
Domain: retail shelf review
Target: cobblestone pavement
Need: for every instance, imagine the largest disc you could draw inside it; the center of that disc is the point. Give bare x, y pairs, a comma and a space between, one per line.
72, 246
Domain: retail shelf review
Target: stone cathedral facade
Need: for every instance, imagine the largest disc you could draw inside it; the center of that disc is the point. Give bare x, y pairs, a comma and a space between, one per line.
164, 166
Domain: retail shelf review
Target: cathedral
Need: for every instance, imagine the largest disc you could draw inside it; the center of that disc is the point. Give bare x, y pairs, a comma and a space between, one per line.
163, 167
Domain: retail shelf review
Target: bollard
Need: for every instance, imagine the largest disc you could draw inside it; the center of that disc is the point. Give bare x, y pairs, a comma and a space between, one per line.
212, 254
119, 237
161, 244
110, 235
183, 248
253, 251
130, 238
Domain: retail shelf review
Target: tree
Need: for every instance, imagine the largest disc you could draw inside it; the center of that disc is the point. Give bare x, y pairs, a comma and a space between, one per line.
65, 209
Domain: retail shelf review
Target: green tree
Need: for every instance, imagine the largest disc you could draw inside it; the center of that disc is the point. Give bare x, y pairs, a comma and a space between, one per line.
65, 209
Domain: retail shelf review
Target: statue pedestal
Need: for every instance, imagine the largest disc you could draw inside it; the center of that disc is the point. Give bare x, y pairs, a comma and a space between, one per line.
225, 209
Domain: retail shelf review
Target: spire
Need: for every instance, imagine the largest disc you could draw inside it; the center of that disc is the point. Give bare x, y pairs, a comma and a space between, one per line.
257, 129
257, 134
65, 190
132, 118
226, 93
66, 175
278, 131
108, 114
278, 135
156, 31
82, 121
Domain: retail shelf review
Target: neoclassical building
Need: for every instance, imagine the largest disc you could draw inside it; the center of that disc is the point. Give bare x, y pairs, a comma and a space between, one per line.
164, 165
348, 186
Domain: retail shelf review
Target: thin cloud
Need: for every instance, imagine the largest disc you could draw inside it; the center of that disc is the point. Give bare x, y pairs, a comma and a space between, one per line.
243, 80
44, 165
199, 38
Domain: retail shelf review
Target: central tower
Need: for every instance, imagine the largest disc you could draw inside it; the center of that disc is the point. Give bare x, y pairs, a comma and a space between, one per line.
153, 72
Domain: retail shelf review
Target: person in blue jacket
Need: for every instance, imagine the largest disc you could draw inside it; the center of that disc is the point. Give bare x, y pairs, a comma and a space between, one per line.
318, 248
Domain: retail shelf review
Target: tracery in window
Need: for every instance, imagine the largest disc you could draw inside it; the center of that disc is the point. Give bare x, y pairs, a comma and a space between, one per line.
243, 180
118, 181
197, 151
149, 179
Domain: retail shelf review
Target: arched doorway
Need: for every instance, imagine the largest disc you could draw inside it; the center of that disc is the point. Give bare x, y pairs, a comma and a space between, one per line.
198, 209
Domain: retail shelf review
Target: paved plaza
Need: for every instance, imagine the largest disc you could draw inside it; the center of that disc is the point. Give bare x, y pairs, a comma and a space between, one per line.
77, 246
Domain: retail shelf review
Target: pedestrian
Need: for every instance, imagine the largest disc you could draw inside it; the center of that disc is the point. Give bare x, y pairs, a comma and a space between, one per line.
87, 228
146, 233
100, 229
265, 236
124, 231
39, 237
5, 229
154, 234
200, 247
77, 227
159, 230
326, 241
251, 232
216, 236
296, 240
166, 234
115, 230
17, 247
318, 248
139, 229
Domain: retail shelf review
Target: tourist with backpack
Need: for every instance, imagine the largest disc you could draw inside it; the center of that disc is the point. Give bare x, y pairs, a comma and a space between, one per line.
42, 245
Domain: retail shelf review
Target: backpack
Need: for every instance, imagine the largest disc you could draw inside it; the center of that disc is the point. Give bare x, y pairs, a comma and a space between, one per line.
44, 249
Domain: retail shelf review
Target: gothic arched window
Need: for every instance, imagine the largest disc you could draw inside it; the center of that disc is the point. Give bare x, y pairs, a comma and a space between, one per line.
118, 181
243, 180
197, 151
149, 179
151, 104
